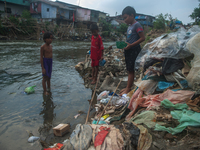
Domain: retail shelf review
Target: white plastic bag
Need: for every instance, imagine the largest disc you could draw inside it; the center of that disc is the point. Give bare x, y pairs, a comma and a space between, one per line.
102, 95
193, 45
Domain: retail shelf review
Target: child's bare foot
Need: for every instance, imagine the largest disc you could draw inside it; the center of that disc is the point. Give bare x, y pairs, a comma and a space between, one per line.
46, 93
93, 82
125, 91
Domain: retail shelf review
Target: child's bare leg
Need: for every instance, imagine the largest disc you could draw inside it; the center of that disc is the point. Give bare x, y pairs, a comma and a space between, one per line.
93, 72
95, 75
48, 84
129, 83
44, 83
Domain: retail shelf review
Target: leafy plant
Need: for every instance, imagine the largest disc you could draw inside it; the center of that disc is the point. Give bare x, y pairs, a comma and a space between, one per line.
105, 33
123, 28
26, 14
159, 22
196, 15
14, 20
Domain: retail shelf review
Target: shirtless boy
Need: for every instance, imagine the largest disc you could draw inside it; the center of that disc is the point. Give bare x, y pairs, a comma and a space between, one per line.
46, 61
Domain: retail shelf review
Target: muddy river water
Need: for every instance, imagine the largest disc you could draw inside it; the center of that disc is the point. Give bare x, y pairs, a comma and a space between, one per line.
36, 113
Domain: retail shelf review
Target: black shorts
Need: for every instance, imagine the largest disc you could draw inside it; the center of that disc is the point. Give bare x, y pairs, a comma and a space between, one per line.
130, 57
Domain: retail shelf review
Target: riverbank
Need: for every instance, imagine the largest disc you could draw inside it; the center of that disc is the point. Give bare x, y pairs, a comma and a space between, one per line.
161, 128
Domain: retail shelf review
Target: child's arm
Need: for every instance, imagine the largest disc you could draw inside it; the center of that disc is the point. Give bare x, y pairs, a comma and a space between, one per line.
41, 59
140, 40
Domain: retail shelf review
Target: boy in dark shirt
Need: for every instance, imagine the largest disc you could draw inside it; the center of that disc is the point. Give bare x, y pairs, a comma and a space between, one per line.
135, 36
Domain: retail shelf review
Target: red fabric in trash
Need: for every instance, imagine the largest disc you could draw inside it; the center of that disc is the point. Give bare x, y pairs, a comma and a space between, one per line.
101, 136
57, 147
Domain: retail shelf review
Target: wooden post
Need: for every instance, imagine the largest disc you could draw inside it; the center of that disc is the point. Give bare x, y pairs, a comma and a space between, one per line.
92, 100
5, 9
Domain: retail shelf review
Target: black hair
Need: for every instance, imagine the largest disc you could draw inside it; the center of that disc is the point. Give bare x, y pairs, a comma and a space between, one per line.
47, 35
94, 27
129, 11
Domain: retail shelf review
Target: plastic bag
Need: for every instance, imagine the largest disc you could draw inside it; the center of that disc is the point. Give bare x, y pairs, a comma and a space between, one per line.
102, 95
171, 65
168, 104
81, 137
33, 139
194, 75
172, 45
30, 89
102, 62
148, 86
185, 117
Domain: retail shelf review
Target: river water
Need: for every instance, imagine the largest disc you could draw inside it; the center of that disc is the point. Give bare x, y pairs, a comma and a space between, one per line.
36, 113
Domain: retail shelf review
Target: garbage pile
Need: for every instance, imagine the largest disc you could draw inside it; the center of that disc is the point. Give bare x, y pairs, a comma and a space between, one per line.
163, 109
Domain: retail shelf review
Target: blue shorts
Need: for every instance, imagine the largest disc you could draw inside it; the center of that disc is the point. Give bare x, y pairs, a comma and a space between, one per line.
47, 62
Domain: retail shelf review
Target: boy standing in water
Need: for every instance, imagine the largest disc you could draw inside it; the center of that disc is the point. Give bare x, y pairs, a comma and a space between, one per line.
46, 61
96, 51
135, 36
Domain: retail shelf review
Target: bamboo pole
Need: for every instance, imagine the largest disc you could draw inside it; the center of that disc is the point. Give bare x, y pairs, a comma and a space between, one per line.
109, 101
92, 99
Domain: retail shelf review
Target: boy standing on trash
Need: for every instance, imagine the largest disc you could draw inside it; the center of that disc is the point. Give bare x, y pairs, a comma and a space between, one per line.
46, 61
96, 51
135, 36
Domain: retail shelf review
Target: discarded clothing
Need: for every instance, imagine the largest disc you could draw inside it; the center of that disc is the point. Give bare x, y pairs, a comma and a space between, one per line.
130, 133
162, 85
185, 117
167, 104
147, 118
135, 101
145, 139
99, 139
154, 100
194, 104
47, 62
81, 137
113, 140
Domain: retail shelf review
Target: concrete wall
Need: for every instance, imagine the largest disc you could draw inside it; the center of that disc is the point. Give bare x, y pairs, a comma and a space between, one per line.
48, 14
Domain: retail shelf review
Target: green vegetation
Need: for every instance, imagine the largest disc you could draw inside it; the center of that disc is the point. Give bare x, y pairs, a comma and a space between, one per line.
14, 20
160, 21
196, 15
106, 28
26, 14
123, 28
